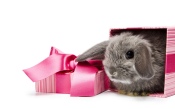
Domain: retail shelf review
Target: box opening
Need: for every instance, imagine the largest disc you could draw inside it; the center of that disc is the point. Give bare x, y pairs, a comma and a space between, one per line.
156, 36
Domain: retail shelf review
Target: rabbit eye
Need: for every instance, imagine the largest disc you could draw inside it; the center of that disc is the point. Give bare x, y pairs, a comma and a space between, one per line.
129, 54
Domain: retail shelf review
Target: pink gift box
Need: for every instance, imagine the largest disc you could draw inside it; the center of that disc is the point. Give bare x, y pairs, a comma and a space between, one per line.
61, 83
77, 79
169, 87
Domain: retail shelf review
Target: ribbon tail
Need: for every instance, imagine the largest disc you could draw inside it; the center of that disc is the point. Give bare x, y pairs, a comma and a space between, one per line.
83, 81
47, 67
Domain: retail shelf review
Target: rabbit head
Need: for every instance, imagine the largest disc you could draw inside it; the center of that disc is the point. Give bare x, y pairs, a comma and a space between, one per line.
126, 58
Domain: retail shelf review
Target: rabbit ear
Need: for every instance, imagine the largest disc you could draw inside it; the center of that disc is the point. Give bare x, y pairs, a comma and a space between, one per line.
143, 63
96, 52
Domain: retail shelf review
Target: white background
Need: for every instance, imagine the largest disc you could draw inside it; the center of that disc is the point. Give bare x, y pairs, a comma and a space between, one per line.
28, 28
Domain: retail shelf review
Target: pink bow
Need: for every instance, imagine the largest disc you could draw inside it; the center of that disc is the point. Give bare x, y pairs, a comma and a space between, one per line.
85, 81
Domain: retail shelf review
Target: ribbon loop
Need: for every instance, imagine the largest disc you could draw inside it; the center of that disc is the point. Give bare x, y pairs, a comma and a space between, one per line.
51, 65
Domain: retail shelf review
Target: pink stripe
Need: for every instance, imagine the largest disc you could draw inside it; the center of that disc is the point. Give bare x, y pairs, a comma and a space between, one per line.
169, 94
170, 63
162, 95
170, 47
50, 84
170, 91
53, 83
170, 87
39, 86
169, 81
135, 28
170, 75
99, 80
158, 95
171, 29
42, 85
171, 39
170, 52
171, 44
47, 85
169, 84
171, 34
42, 81
36, 87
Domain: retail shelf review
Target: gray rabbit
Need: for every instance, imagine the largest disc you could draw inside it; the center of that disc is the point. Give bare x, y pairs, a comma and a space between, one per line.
133, 60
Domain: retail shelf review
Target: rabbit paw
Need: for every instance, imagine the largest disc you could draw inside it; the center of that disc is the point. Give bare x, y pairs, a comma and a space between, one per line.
133, 93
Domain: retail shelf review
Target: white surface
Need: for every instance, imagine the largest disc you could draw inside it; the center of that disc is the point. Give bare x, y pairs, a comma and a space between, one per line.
28, 28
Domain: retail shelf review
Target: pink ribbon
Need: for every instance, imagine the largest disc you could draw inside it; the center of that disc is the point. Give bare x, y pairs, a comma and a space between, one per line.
84, 73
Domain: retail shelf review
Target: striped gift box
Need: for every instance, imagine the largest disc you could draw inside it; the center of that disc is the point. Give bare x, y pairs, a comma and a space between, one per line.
86, 79
169, 88
48, 85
